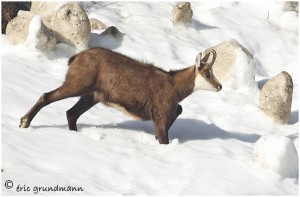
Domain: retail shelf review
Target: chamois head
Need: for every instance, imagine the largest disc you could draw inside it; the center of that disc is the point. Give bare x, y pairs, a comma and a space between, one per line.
205, 79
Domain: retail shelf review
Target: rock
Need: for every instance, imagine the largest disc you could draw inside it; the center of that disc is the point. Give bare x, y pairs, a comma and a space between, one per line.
18, 30
68, 20
277, 153
97, 25
113, 31
44, 8
9, 10
290, 6
276, 97
45, 40
234, 66
182, 13
111, 38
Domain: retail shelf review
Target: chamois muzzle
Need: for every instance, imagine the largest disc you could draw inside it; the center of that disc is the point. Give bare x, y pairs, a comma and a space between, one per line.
219, 88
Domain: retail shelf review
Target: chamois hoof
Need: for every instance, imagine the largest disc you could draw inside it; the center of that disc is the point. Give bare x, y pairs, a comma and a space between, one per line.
73, 129
164, 142
24, 123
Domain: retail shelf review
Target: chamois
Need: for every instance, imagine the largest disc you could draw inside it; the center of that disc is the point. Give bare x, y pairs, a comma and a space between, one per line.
140, 89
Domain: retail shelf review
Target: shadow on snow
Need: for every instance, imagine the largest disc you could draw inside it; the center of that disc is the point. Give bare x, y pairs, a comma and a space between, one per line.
183, 129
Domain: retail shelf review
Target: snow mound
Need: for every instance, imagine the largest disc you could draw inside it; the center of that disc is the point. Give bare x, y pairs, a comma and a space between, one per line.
278, 153
175, 141
243, 74
34, 28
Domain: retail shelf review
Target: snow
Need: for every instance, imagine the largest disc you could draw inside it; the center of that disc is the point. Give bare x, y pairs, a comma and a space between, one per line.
243, 75
278, 153
211, 148
34, 28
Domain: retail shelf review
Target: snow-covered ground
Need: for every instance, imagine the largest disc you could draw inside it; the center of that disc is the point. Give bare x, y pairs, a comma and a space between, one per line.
212, 141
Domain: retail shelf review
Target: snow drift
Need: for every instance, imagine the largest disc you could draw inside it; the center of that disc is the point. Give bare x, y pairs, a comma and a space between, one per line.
278, 153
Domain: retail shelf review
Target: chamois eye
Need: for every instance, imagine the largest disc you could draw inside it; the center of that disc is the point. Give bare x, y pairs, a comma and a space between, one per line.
207, 74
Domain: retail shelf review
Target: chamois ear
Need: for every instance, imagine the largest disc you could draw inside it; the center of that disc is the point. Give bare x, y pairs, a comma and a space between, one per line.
198, 60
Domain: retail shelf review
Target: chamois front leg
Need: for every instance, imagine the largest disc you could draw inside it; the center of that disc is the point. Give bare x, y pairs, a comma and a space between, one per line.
161, 129
178, 112
163, 123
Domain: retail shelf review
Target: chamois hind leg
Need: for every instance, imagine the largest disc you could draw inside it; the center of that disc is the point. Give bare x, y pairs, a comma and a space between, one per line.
60, 93
84, 104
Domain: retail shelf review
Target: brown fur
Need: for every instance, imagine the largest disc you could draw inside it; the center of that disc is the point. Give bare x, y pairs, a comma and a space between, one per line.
141, 89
